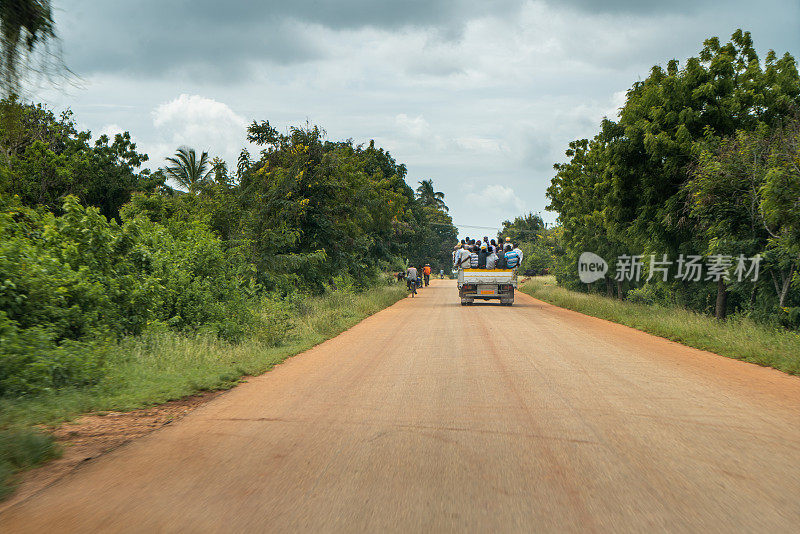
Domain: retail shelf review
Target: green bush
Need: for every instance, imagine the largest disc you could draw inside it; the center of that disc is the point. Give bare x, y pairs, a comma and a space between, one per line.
31, 362
71, 283
651, 294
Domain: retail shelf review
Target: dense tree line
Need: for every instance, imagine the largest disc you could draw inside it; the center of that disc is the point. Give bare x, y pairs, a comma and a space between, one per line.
94, 248
702, 160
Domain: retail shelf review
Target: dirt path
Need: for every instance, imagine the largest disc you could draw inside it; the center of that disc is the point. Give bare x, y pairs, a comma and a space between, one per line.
434, 417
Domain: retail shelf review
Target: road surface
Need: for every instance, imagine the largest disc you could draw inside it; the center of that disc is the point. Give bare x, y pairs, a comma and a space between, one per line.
430, 416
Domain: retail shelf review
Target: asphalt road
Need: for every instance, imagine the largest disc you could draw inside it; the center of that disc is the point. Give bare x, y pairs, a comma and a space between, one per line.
430, 416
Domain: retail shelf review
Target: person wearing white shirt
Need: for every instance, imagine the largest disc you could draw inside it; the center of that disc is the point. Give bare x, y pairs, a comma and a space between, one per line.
519, 253
461, 258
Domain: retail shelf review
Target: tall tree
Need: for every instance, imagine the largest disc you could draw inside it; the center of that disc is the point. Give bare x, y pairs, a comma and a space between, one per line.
525, 228
188, 170
220, 171
44, 158
634, 191
429, 197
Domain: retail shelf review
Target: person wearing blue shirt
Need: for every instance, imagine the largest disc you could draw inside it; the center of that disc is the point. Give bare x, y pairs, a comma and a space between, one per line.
512, 258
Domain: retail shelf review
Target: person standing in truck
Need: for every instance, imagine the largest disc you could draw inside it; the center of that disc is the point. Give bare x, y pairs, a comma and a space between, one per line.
462, 258
491, 260
512, 258
473, 257
519, 253
501, 259
483, 252
456, 248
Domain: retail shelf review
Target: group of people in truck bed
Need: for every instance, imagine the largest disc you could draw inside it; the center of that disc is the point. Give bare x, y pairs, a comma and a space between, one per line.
486, 254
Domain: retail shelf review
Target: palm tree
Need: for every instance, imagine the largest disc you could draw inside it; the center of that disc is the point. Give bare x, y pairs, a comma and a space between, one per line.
220, 171
186, 169
430, 197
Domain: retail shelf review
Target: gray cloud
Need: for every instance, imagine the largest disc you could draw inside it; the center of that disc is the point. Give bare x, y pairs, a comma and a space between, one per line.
462, 91
648, 7
219, 41
213, 39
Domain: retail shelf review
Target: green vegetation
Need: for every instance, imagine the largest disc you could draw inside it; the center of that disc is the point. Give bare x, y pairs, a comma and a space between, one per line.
118, 290
739, 337
702, 160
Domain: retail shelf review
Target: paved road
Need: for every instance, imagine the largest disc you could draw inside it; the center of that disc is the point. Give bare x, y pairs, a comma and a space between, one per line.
434, 417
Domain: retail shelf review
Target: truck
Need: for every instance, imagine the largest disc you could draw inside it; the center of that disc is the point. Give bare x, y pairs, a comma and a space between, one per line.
487, 284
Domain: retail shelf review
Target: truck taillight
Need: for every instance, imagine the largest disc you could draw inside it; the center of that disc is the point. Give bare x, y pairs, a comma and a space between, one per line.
469, 287
506, 287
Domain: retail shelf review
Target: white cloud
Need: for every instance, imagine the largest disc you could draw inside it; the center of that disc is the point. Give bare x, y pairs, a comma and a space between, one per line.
198, 122
110, 130
497, 198
416, 127
482, 145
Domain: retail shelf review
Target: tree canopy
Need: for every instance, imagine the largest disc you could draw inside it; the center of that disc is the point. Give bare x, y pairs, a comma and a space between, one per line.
690, 166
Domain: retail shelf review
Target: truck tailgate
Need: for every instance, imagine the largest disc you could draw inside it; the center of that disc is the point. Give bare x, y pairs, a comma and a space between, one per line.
485, 276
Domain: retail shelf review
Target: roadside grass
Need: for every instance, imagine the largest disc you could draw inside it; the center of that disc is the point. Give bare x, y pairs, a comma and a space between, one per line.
20, 449
160, 366
737, 337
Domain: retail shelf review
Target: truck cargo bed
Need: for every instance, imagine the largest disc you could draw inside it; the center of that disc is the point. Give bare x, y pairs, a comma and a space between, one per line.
486, 284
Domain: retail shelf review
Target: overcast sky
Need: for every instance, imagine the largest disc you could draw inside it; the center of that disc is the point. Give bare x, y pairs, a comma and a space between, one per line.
482, 97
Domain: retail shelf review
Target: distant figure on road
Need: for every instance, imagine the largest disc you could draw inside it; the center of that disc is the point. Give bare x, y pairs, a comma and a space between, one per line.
441, 274
411, 280
426, 272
